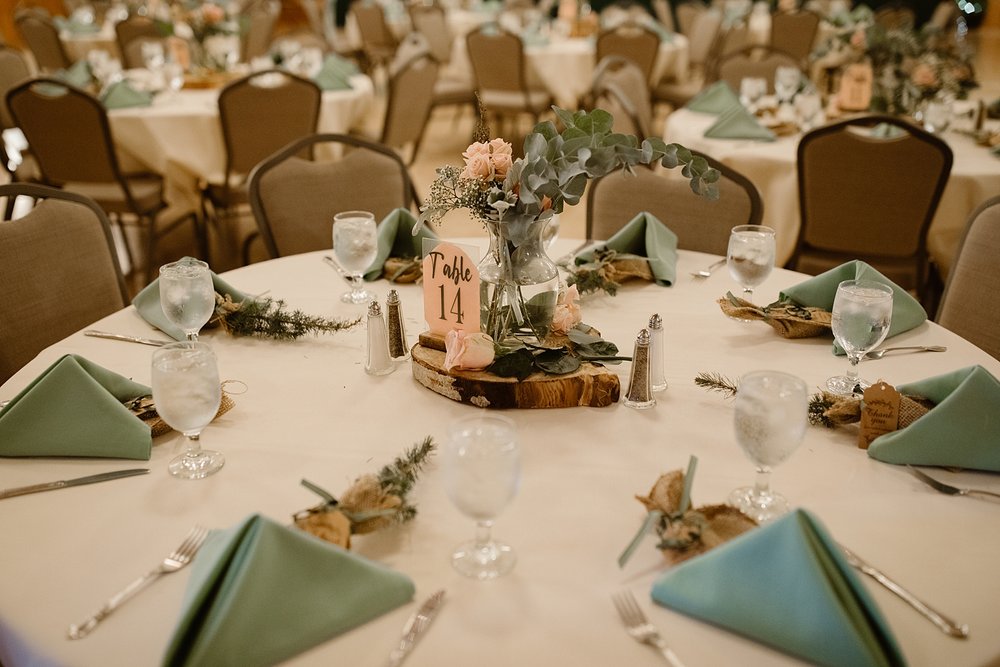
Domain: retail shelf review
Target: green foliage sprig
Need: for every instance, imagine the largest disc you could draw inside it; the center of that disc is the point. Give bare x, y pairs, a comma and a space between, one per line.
398, 477
592, 276
717, 382
269, 318
521, 359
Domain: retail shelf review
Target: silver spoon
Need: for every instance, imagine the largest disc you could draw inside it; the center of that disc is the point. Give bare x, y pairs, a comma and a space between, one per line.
878, 354
705, 273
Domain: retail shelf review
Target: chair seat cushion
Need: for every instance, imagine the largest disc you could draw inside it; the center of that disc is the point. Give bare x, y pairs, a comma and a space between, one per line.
147, 191
453, 91
236, 195
508, 100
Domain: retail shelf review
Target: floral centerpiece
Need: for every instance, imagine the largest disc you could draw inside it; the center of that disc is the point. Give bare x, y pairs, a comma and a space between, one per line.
516, 198
212, 29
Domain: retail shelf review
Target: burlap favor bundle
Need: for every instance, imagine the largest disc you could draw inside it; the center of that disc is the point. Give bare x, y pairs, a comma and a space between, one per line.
145, 409
839, 410
627, 267
402, 270
788, 319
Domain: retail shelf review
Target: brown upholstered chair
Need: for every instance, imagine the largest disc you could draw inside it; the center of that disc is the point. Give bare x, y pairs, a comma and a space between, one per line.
294, 199
377, 40
970, 306
411, 97
261, 17
60, 272
135, 30
664, 14
687, 15
42, 37
430, 22
895, 16
700, 224
630, 40
14, 69
755, 61
79, 156
621, 89
795, 32
703, 37
871, 196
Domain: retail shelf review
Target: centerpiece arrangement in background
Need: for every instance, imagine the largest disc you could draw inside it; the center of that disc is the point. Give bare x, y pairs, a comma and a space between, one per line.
212, 31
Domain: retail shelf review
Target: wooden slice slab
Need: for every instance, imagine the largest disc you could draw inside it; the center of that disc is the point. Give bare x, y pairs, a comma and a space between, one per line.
591, 385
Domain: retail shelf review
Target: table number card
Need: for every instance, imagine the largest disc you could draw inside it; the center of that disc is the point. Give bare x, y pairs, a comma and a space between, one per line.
451, 290
880, 414
855, 92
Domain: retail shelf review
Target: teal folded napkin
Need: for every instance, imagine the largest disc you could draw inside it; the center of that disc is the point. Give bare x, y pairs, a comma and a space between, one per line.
396, 239
785, 584
261, 593
738, 123
75, 408
147, 303
75, 26
78, 74
963, 428
643, 236
121, 95
715, 99
336, 73
534, 38
820, 292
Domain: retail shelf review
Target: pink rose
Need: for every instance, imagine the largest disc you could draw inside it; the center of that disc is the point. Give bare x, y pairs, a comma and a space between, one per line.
501, 164
478, 165
924, 75
467, 351
477, 148
859, 40
212, 13
567, 314
500, 147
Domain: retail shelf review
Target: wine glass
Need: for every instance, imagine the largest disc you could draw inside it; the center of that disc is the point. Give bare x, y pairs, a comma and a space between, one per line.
174, 74
786, 83
186, 392
770, 420
752, 89
355, 244
937, 115
481, 475
187, 295
862, 312
750, 257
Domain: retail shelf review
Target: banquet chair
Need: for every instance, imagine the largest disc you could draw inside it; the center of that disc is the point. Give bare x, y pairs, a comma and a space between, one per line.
687, 15
14, 69
795, 32
409, 103
42, 38
970, 306
136, 30
431, 22
60, 272
701, 224
633, 41
293, 218
754, 61
870, 195
895, 16
261, 18
377, 40
731, 38
620, 88
664, 14
80, 156
702, 39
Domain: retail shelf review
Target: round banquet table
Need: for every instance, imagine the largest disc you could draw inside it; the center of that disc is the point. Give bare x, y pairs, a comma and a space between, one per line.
310, 411
771, 166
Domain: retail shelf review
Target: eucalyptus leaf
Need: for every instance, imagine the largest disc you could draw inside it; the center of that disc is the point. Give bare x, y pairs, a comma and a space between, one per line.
557, 362
517, 364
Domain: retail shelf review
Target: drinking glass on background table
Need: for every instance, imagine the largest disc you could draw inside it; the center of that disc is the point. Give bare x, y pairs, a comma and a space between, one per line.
862, 313
770, 421
187, 393
355, 244
936, 115
786, 83
482, 471
752, 90
187, 295
750, 257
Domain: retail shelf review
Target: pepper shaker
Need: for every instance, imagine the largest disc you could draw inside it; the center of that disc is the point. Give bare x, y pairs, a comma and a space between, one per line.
398, 349
639, 394
378, 361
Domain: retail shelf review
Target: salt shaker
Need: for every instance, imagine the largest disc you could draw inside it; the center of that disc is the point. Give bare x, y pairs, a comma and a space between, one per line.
639, 394
378, 361
398, 349
657, 354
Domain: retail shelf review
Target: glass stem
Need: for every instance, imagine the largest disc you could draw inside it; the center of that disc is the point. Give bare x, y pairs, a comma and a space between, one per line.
193, 450
483, 534
748, 294
852, 369
192, 336
762, 483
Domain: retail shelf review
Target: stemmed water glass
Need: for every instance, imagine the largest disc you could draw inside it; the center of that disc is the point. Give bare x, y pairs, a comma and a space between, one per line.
187, 295
862, 313
786, 83
187, 393
770, 421
355, 244
750, 257
482, 470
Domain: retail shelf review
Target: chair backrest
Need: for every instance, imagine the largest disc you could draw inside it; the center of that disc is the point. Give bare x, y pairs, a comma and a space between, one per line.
42, 38
895, 16
687, 12
703, 35
622, 89
430, 21
375, 32
411, 97
730, 39
868, 189
131, 29
754, 61
700, 224
630, 40
14, 69
262, 112
970, 306
261, 19
60, 273
132, 52
664, 14
497, 58
294, 199
795, 32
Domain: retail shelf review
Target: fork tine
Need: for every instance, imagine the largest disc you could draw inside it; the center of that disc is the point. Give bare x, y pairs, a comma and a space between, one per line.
625, 609
190, 544
633, 608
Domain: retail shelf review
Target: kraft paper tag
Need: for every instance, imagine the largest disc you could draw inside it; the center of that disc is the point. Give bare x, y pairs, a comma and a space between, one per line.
880, 414
855, 92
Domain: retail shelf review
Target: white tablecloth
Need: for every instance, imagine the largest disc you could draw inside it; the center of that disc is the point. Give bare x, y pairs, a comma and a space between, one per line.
311, 411
771, 166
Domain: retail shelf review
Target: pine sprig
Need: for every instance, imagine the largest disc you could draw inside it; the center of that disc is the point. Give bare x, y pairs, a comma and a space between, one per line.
398, 477
269, 318
593, 276
717, 382
819, 403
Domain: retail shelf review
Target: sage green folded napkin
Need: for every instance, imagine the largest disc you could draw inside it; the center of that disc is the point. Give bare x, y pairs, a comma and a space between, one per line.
147, 303
261, 593
75, 26
335, 73
78, 74
644, 236
963, 428
785, 584
821, 291
75, 408
121, 95
738, 123
715, 99
396, 239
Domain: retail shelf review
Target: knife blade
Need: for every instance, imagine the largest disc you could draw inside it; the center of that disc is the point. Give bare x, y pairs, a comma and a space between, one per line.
64, 483
130, 339
415, 628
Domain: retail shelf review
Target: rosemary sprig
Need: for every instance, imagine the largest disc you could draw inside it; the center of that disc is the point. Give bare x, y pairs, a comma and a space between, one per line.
269, 318
717, 382
398, 477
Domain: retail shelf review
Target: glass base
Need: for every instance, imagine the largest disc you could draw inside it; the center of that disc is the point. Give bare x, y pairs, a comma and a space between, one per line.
845, 386
361, 296
483, 561
759, 506
196, 467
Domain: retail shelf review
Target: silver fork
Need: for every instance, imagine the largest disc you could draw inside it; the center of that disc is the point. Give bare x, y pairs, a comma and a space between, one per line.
175, 561
705, 273
639, 627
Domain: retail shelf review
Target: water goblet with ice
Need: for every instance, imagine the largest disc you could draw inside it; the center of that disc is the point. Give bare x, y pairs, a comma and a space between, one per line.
355, 244
187, 295
750, 256
862, 313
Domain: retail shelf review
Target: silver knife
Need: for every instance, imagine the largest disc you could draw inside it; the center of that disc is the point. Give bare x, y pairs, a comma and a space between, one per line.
130, 339
415, 628
62, 484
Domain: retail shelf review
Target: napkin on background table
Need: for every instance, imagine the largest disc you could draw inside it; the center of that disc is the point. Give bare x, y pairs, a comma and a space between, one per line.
715, 99
738, 123
821, 291
335, 73
147, 303
78, 74
75, 408
121, 95
787, 585
396, 239
963, 428
647, 237
261, 593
